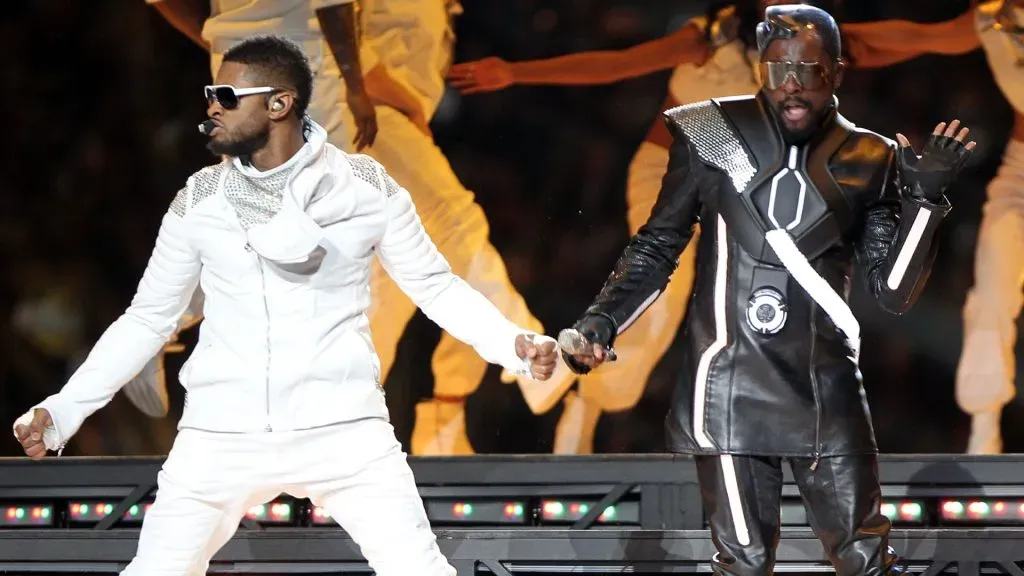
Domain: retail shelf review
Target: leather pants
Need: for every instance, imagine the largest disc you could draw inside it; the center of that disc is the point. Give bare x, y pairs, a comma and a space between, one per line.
742, 497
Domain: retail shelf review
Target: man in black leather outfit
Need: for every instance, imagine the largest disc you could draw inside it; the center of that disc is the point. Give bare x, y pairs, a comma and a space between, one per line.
788, 194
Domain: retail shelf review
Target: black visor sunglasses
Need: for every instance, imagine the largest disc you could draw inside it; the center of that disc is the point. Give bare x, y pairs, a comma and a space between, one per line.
809, 75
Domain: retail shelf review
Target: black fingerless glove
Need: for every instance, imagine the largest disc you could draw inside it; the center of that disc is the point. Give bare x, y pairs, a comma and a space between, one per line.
927, 177
599, 329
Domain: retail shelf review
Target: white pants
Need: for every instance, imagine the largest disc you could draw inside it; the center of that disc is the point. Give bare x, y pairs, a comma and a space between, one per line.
356, 471
617, 386
985, 375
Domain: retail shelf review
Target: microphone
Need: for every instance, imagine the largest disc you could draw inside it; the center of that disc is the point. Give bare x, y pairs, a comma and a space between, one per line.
576, 344
207, 127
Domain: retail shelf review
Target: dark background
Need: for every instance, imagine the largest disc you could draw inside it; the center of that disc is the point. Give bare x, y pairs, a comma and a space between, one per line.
102, 99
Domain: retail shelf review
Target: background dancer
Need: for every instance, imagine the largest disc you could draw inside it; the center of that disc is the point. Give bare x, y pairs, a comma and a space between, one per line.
987, 369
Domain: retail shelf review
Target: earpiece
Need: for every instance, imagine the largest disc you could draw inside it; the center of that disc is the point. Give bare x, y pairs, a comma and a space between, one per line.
277, 106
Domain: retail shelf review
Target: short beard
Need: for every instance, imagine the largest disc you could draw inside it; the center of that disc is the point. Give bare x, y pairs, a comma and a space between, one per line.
801, 136
241, 147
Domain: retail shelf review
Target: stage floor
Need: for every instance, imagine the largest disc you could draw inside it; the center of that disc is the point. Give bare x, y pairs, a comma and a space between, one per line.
505, 552
659, 528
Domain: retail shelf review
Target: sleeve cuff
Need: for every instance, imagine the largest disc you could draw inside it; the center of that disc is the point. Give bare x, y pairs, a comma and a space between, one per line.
521, 366
940, 208
513, 363
53, 437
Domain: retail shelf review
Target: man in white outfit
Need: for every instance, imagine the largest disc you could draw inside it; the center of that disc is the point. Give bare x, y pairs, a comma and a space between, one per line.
327, 32
406, 48
283, 390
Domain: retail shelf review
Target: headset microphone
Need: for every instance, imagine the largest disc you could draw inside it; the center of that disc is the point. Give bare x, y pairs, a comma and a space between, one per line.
207, 127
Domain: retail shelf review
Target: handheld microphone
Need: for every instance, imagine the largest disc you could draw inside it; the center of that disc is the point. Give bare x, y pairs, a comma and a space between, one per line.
574, 343
207, 127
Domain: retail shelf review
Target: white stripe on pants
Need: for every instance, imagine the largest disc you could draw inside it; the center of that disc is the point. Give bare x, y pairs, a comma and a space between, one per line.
355, 470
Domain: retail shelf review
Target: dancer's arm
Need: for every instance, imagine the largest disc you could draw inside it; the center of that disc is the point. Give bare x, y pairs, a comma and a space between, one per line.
686, 45
896, 247
339, 23
338, 20
187, 17
385, 90
410, 257
887, 42
133, 339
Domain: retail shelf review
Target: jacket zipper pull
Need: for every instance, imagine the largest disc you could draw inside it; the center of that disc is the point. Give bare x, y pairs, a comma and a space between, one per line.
814, 465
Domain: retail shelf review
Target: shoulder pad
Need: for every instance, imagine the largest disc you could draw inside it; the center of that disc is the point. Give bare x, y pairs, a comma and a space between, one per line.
199, 187
370, 171
689, 116
865, 137
875, 138
709, 133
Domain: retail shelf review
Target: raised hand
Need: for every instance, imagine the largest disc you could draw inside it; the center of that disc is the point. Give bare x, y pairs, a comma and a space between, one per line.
929, 175
541, 352
484, 75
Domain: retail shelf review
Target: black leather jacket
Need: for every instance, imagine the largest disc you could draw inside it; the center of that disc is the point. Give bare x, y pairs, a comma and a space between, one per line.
766, 370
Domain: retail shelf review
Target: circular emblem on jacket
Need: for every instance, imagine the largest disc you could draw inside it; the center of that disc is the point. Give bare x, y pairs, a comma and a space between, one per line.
766, 311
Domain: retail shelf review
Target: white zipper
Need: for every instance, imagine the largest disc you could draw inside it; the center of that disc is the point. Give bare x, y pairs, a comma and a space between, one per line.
370, 352
266, 310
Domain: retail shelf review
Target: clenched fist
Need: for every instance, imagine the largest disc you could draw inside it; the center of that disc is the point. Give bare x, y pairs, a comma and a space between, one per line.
541, 353
31, 435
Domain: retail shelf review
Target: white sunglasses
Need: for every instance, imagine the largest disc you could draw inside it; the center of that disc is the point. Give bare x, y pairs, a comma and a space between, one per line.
228, 95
